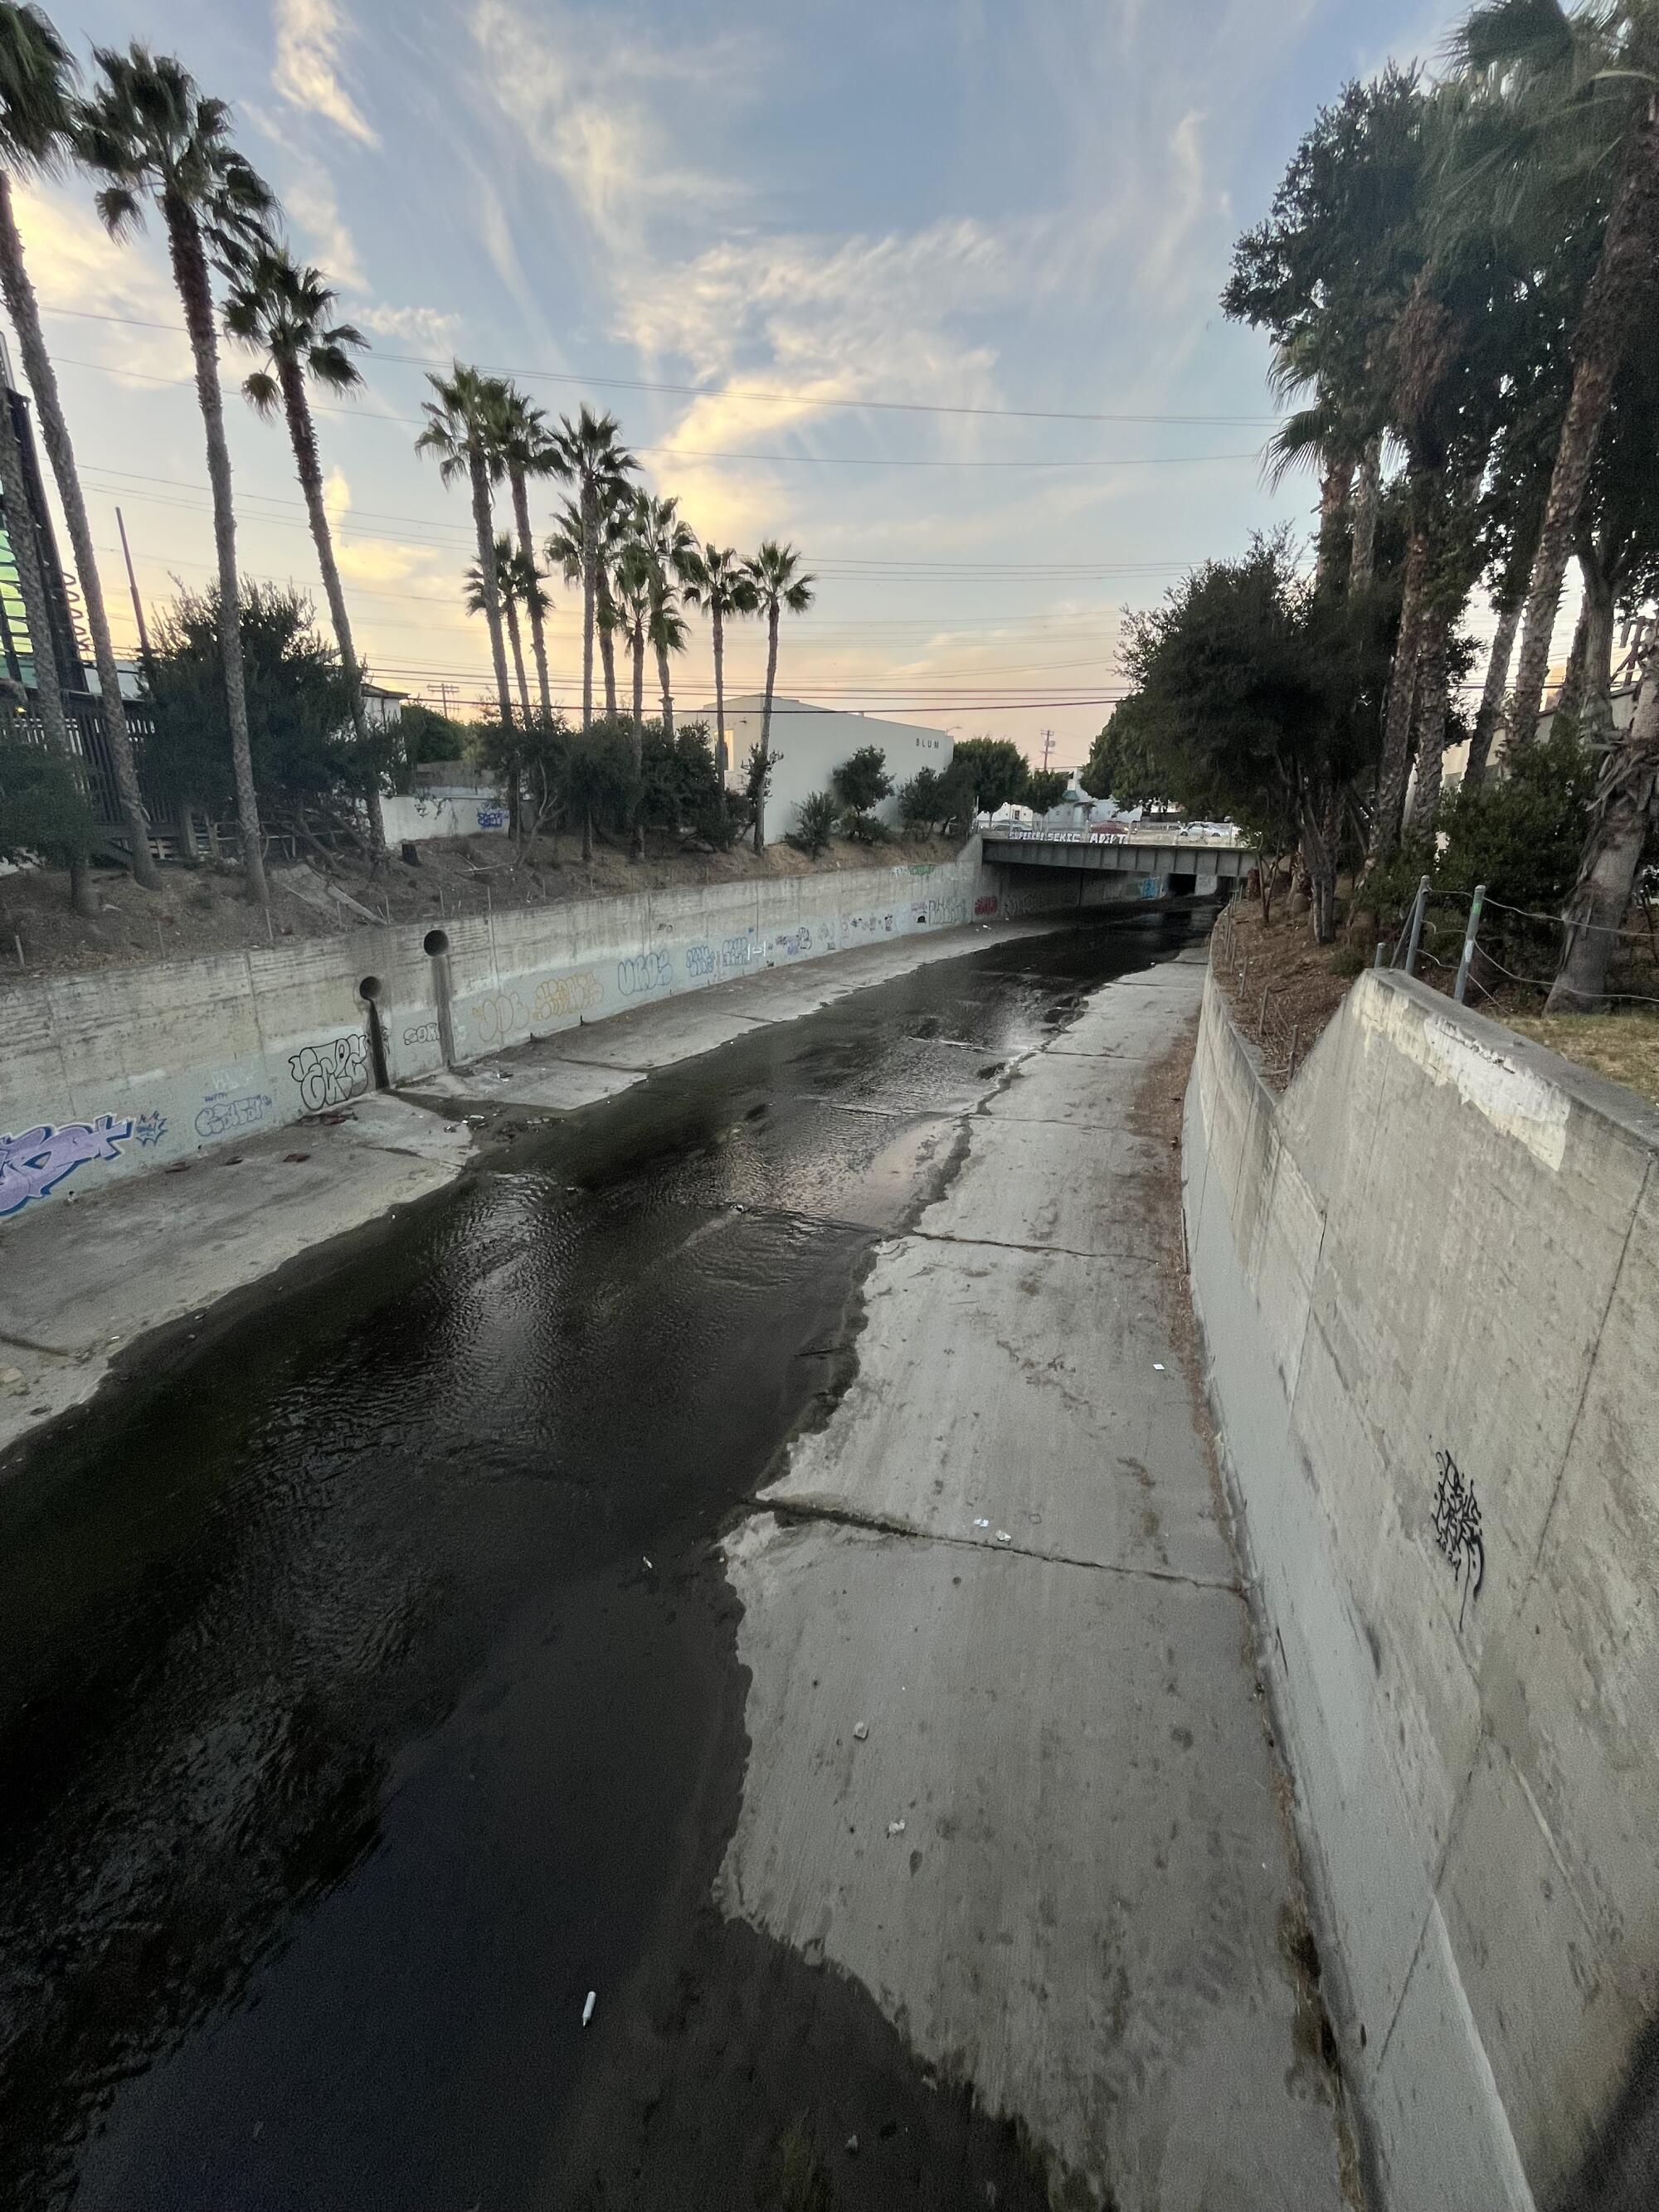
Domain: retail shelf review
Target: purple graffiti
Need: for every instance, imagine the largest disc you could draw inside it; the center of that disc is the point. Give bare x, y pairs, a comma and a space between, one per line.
37, 1162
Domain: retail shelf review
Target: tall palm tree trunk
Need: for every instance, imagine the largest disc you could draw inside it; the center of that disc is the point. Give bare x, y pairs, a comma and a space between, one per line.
54, 432
590, 593
667, 695
515, 638
1367, 497
537, 627
484, 527
1490, 712
1334, 486
1430, 711
189, 275
1596, 695
636, 644
1620, 821
766, 727
1570, 697
719, 689
1397, 720
605, 615
302, 435
1622, 285
49, 694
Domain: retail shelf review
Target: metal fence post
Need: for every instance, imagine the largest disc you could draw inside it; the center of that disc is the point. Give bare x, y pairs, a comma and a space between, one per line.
1381, 947
1462, 983
1419, 910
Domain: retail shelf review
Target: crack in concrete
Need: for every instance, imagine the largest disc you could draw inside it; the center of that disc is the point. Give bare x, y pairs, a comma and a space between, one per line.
805, 1511
1042, 1251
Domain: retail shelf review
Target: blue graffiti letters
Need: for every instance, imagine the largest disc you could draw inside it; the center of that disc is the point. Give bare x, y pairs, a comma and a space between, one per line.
35, 1162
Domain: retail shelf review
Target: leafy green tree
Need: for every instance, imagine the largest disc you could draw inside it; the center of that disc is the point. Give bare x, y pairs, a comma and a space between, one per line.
815, 823
681, 782
152, 134
1000, 771
600, 778
534, 755
1126, 762
1047, 787
44, 810
37, 121
862, 782
780, 587
304, 745
423, 734
285, 310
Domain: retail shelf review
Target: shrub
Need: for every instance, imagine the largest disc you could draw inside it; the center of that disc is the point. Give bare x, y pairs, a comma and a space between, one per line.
862, 782
864, 829
815, 823
43, 808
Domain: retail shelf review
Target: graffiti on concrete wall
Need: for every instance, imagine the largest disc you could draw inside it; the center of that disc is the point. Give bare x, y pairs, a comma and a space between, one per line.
329, 1075
423, 1033
32, 1165
149, 1129
565, 995
798, 943
700, 960
984, 907
498, 1016
492, 818
1457, 1528
650, 971
739, 952
219, 1116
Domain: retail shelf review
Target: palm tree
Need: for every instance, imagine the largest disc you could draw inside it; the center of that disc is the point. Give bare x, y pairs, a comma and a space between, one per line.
526, 450
633, 592
669, 547
518, 584
718, 582
775, 576
36, 124
1561, 109
587, 454
153, 135
615, 534
284, 310
460, 428
1367, 498
47, 685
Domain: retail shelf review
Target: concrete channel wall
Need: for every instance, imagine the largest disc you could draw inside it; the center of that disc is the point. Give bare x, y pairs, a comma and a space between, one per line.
129, 1069
1428, 1281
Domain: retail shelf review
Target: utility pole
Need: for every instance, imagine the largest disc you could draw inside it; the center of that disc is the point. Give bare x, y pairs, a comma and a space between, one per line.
132, 586
1047, 747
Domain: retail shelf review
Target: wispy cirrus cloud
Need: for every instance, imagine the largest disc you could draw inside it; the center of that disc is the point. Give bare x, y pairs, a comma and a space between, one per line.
434, 328
309, 36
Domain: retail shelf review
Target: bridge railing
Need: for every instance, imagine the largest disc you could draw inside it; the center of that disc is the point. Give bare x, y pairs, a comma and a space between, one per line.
1200, 840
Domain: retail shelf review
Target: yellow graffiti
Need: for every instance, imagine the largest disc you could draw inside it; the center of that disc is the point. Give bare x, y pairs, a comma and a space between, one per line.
565, 995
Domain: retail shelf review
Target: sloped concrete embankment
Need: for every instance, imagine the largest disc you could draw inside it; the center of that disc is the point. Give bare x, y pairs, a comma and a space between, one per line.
1427, 1277
109, 1075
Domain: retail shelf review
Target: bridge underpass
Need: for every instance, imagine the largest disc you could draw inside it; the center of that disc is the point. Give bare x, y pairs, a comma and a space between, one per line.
1114, 871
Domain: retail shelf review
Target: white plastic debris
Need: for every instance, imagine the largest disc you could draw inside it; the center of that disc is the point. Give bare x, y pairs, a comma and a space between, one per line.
1003, 1537
895, 1827
981, 1524
861, 1730
1158, 1367
853, 2146
647, 1562
587, 2010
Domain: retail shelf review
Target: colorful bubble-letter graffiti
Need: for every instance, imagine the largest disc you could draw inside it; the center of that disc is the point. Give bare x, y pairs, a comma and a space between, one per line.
33, 1164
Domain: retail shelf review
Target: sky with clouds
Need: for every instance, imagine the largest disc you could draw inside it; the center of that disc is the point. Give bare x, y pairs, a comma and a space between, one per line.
928, 290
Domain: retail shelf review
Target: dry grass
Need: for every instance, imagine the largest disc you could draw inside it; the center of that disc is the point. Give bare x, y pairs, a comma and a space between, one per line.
1625, 1047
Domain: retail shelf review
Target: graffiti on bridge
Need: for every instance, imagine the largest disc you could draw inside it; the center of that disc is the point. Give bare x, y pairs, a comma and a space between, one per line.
329, 1075
423, 1033
984, 907
219, 1116
32, 1165
565, 995
650, 971
149, 1129
1457, 1528
496, 1017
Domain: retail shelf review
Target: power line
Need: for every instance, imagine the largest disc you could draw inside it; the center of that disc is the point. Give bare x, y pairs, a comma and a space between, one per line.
747, 391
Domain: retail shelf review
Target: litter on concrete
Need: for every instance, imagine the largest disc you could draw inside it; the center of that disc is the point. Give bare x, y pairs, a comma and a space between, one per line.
981, 1524
895, 1827
1003, 1537
861, 1730
587, 2010
1158, 1367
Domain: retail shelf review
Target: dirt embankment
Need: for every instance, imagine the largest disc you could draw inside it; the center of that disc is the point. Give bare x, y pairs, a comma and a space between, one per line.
201, 909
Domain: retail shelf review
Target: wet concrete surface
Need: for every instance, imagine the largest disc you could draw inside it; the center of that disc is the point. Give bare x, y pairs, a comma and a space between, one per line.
371, 1688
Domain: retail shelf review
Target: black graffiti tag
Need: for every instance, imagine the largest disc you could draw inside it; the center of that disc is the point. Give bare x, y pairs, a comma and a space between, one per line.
1457, 1528
328, 1074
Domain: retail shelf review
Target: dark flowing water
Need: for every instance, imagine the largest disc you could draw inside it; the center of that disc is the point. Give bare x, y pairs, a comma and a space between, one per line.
368, 1683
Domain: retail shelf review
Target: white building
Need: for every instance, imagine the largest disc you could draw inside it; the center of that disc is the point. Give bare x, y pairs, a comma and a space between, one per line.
809, 744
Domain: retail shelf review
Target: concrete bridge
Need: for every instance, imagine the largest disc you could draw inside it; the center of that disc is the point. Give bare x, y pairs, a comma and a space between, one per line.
1109, 869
